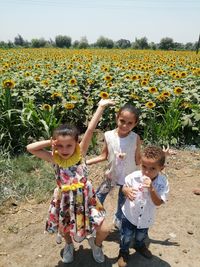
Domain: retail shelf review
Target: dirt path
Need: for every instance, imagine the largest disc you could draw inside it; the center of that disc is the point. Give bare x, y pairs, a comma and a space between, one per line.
174, 238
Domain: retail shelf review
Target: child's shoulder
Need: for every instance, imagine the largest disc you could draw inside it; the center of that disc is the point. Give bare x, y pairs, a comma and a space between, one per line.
161, 179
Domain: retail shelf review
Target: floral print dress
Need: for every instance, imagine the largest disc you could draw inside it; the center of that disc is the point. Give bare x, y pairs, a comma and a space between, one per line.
74, 208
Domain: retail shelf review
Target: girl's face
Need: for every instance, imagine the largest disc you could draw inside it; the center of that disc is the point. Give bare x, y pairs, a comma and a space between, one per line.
65, 145
126, 121
150, 167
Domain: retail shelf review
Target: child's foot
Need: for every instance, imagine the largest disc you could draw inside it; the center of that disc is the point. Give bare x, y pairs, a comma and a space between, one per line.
123, 259
144, 251
68, 253
96, 251
196, 191
117, 223
58, 239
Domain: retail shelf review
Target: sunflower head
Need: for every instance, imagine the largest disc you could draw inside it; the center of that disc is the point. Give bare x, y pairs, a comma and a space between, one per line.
104, 95
69, 106
150, 104
73, 82
46, 107
8, 84
178, 90
153, 90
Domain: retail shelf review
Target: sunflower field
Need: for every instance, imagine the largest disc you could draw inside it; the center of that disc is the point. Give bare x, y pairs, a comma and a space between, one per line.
40, 88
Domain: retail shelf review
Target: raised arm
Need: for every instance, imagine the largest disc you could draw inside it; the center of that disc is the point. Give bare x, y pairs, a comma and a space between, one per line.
138, 151
100, 158
38, 149
92, 124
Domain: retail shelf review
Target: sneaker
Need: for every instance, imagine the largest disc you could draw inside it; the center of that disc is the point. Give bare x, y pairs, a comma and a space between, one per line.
123, 259
58, 239
117, 223
68, 253
96, 251
144, 251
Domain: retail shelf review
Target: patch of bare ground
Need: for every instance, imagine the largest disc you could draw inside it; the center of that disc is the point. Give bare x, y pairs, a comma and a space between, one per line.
174, 239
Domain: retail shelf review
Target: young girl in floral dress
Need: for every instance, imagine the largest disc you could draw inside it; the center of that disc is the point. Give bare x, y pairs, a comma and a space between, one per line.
74, 210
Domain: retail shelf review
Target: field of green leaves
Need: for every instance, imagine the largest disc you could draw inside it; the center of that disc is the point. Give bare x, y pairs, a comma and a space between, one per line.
40, 88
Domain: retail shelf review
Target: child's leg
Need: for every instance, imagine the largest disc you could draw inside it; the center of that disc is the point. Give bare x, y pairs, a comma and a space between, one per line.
126, 236
140, 247
96, 243
103, 190
68, 253
101, 233
121, 200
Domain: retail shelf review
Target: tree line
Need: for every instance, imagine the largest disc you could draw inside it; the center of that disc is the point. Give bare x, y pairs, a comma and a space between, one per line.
63, 41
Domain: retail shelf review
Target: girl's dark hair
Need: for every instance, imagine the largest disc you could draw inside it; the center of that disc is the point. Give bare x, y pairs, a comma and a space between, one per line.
66, 129
131, 109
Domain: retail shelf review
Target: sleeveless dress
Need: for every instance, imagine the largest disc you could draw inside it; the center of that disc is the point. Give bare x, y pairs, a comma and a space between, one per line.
74, 208
121, 156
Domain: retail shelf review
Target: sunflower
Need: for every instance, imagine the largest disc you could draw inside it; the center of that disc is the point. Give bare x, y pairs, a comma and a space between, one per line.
166, 94
104, 95
161, 97
183, 74
45, 82
73, 81
152, 90
178, 90
159, 72
185, 105
69, 106
46, 107
8, 84
134, 96
150, 104
144, 83
108, 78
73, 97
27, 74
134, 77
56, 95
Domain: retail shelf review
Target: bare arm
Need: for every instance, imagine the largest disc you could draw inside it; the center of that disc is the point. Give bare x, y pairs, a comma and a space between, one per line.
138, 151
100, 158
38, 149
92, 125
154, 196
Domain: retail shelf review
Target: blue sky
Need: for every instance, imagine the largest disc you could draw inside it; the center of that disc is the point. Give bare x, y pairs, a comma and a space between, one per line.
114, 19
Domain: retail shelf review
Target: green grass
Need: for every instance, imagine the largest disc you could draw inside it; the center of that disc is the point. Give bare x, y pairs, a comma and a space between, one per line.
25, 177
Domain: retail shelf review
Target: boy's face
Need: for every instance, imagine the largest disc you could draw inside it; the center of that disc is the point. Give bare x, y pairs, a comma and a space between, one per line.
150, 167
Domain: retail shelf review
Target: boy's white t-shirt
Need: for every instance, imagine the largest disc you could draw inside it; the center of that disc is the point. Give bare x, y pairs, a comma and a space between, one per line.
141, 211
121, 156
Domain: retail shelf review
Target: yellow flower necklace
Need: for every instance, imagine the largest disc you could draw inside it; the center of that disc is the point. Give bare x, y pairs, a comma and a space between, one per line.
65, 163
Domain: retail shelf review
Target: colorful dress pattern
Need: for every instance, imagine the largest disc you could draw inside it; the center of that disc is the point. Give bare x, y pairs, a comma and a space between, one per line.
76, 211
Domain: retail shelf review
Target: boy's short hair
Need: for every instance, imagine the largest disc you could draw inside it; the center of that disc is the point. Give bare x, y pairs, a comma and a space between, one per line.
154, 152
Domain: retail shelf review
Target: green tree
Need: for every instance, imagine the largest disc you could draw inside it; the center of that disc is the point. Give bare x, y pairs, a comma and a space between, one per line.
141, 43
36, 43
83, 44
103, 42
123, 43
63, 41
166, 43
19, 41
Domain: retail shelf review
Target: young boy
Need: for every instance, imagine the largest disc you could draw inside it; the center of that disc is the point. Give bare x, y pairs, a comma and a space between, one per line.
144, 190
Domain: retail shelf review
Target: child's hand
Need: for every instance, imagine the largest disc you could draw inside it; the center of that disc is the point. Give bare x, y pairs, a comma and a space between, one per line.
146, 182
106, 102
130, 192
53, 145
168, 152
